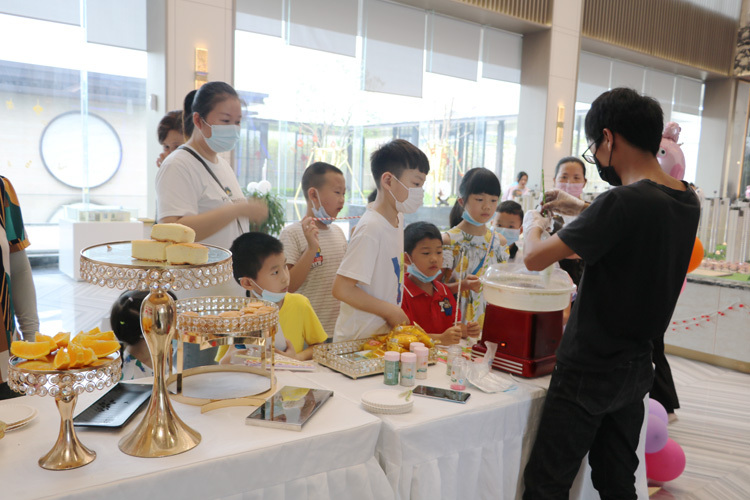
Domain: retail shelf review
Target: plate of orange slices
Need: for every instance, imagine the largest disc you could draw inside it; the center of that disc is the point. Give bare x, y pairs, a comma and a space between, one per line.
61, 352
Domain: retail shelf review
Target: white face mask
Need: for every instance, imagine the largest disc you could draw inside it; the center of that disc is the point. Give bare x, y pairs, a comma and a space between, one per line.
223, 137
412, 202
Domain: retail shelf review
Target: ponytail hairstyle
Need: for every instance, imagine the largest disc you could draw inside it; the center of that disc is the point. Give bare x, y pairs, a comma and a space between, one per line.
476, 181
203, 101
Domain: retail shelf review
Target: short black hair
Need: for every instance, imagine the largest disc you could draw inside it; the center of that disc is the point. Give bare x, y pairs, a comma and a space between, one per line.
250, 251
570, 159
476, 181
416, 232
125, 316
171, 121
395, 157
371, 197
521, 175
314, 175
510, 207
639, 119
203, 101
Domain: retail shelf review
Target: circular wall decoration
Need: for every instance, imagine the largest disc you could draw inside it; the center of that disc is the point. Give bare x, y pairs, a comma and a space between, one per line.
61, 148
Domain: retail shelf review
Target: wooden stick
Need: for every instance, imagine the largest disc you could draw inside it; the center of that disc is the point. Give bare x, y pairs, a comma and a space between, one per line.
458, 295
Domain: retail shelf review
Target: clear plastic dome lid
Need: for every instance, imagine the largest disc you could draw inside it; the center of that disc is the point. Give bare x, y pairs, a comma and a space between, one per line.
517, 277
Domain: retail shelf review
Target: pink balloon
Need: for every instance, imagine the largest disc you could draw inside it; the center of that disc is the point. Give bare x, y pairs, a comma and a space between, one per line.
656, 433
655, 408
666, 464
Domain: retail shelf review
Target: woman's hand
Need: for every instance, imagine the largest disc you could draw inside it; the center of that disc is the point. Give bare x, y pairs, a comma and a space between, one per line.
254, 209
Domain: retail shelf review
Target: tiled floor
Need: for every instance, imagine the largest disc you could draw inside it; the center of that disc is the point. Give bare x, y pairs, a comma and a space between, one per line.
713, 426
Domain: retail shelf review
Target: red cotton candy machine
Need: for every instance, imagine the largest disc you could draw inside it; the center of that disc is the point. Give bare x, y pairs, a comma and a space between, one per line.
524, 317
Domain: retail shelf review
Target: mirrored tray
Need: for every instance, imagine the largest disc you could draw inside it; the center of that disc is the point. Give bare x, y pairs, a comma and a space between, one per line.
65, 386
341, 357
111, 265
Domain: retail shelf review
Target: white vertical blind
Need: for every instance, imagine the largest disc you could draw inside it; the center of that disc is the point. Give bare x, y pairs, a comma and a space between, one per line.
117, 23
501, 56
259, 16
627, 75
328, 25
453, 47
394, 48
58, 11
688, 94
660, 86
593, 77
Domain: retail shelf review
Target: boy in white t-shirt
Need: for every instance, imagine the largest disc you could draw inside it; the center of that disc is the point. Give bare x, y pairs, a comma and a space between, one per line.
370, 278
314, 247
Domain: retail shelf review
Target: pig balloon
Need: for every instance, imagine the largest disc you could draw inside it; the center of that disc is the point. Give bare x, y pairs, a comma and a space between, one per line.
670, 155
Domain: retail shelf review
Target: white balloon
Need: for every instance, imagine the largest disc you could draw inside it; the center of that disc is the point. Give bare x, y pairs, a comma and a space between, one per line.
252, 187
264, 187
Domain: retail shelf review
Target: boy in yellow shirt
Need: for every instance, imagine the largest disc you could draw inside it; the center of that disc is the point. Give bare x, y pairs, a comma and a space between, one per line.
259, 266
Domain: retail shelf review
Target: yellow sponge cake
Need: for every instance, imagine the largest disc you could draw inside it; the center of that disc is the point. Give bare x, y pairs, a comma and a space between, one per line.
175, 233
151, 250
187, 253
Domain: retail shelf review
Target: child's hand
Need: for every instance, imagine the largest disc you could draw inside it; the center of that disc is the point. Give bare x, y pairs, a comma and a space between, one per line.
290, 352
472, 329
452, 335
310, 230
472, 283
395, 316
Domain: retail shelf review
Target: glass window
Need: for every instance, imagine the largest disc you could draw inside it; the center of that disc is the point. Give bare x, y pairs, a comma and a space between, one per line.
311, 107
49, 76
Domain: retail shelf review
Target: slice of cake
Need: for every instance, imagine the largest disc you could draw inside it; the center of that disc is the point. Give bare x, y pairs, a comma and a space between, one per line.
155, 251
176, 233
187, 253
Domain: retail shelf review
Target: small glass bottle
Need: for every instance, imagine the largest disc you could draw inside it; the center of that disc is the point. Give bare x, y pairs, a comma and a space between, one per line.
408, 368
414, 345
454, 352
391, 368
422, 355
458, 374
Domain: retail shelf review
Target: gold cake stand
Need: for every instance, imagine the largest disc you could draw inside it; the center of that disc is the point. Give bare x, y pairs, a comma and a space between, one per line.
199, 321
65, 386
161, 432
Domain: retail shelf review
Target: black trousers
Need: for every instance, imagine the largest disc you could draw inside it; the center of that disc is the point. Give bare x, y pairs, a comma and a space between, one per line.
663, 390
590, 412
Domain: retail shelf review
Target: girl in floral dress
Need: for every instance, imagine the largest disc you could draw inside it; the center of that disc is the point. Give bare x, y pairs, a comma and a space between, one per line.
470, 247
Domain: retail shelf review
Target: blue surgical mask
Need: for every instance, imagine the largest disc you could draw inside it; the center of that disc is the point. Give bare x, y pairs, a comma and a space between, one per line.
512, 235
320, 212
468, 218
274, 297
223, 137
413, 271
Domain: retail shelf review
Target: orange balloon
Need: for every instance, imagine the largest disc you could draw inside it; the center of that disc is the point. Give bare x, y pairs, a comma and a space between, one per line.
697, 257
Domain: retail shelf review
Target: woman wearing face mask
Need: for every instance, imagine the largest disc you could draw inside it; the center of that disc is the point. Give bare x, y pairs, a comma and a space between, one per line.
570, 176
195, 186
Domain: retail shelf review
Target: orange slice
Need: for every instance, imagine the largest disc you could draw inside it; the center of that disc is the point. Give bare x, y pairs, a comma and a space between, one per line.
30, 350
62, 360
48, 339
103, 336
62, 339
89, 356
102, 347
94, 331
41, 365
75, 354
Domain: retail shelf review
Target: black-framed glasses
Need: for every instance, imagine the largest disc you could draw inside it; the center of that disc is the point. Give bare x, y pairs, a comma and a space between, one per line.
589, 157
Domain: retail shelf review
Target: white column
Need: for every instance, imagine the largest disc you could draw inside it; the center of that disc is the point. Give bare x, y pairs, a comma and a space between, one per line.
549, 75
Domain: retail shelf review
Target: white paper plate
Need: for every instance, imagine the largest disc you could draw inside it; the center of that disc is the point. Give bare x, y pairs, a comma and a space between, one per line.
15, 415
387, 398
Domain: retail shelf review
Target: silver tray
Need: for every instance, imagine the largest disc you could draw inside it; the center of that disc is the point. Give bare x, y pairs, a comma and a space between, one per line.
341, 357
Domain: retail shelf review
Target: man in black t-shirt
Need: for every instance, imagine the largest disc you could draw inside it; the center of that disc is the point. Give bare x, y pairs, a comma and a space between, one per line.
636, 240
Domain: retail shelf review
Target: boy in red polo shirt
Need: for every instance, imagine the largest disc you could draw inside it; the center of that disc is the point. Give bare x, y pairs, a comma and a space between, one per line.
428, 302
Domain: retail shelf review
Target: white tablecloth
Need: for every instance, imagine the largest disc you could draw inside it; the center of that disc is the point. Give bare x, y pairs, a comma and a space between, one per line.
333, 457
474, 450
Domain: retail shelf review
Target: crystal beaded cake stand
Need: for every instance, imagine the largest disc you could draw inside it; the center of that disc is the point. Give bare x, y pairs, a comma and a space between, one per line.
161, 433
199, 321
65, 386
